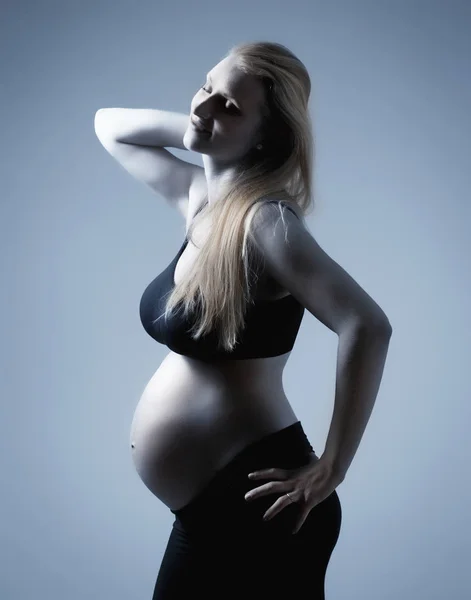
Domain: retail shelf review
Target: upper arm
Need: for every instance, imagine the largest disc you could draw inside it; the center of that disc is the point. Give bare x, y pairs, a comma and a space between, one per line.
159, 169
294, 259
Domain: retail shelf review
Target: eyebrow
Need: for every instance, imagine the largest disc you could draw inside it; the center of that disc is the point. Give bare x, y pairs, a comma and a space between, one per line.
225, 93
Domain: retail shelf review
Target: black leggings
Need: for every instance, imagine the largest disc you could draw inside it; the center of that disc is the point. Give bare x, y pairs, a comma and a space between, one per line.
220, 547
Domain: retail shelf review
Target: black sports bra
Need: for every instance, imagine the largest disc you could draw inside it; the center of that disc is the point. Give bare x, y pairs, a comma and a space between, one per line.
271, 326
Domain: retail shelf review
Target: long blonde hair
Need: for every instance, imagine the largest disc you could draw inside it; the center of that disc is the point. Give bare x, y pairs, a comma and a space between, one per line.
218, 289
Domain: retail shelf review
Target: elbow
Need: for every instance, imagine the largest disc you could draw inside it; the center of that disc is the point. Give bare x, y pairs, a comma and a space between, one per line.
378, 321
389, 326
379, 325
102, 122
384, 324
98, 118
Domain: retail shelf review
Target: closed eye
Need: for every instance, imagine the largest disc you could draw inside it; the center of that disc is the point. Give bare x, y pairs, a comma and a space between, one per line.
231, 107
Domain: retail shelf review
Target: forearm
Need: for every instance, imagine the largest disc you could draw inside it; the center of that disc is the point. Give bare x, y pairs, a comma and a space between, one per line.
144, 126
361, 357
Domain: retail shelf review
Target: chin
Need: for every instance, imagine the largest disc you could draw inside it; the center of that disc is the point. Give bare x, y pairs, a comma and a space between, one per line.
187, 138
192, 141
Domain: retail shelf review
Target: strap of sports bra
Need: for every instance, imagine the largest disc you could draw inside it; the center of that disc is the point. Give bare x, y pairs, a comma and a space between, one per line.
268, 201
283, 204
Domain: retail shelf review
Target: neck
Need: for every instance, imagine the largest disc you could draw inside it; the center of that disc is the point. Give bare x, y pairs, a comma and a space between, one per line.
217, 174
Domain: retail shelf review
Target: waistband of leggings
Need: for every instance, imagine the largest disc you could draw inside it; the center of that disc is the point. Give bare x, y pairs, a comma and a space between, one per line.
282, 447
289, 441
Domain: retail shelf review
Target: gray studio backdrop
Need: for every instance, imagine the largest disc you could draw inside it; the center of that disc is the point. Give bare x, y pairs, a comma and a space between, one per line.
81, 239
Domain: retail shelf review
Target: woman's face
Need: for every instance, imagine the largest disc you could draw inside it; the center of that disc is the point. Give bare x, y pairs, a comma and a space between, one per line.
228, 105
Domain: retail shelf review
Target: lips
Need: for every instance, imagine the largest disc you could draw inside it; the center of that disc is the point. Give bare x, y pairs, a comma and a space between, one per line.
199, 125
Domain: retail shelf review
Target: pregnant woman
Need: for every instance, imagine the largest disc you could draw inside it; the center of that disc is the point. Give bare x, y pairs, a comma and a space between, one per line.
229, 307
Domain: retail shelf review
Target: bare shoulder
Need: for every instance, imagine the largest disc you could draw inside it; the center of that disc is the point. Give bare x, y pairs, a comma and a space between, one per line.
272, 215
293, 258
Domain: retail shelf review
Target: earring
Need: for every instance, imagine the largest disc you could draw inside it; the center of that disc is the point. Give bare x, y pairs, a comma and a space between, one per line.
259, 146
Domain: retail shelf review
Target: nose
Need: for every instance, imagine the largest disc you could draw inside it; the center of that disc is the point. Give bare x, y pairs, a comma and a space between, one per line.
204, 113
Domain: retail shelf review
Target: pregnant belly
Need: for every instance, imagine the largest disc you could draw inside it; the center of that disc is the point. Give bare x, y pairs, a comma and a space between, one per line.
171, 452
187, 426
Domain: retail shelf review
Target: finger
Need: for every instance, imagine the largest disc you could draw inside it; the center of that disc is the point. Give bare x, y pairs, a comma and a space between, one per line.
304, 515
271, 487
277, 507
266, 473
298, 527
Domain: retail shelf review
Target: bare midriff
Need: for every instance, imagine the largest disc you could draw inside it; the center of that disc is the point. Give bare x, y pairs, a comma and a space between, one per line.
194, 417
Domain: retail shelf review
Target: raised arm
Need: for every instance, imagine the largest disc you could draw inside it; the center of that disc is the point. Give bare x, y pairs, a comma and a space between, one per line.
135, 138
